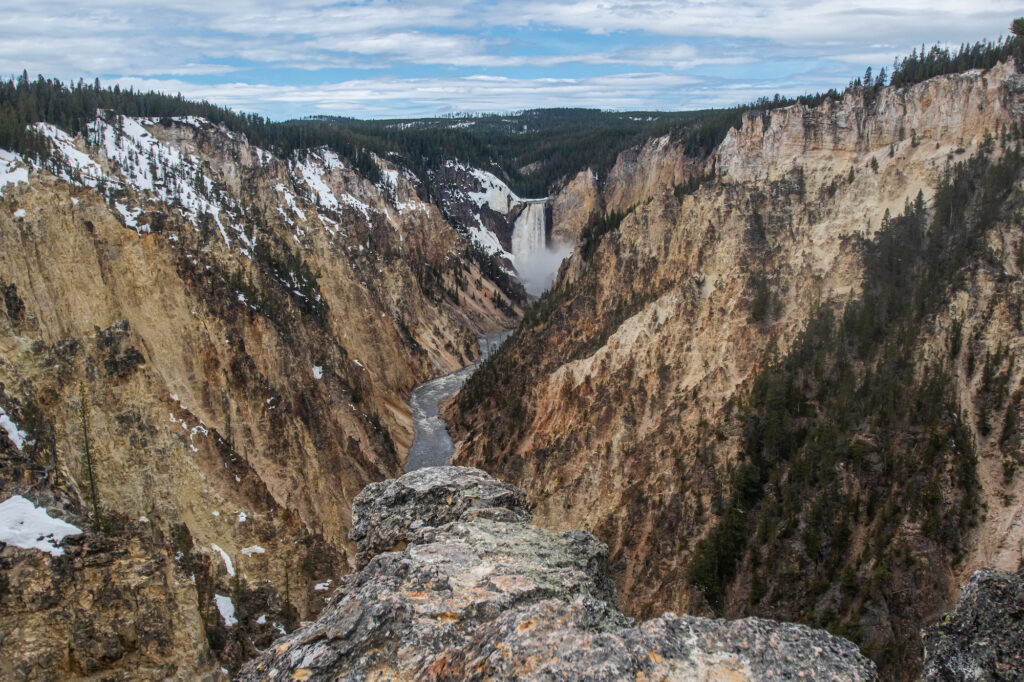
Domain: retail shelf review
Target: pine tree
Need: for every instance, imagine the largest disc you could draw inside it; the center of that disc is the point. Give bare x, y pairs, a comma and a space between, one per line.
83, 412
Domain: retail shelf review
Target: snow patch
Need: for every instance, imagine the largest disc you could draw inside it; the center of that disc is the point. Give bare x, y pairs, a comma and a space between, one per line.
330, 159
312, 171
318, 372
194, 121
20, 213
226, 608
253, 549
320, 587
488, 241
330, 225
69, 164
159, 171
495, 193
11, 173
23, 524
290, 200
227, 560
16, 435
131, 217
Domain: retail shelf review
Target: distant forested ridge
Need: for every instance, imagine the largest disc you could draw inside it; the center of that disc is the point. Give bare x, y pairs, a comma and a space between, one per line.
533, 151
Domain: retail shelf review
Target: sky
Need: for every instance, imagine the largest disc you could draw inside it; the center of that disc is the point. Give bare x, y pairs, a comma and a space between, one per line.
408, 58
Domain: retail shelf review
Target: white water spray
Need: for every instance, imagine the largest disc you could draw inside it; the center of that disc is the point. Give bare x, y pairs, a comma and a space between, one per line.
535, 263
528, 236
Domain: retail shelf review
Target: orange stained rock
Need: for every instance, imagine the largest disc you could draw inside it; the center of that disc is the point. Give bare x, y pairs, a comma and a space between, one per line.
528, 624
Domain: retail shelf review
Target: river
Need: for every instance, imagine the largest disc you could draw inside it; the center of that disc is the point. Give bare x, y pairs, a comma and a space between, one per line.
431, 445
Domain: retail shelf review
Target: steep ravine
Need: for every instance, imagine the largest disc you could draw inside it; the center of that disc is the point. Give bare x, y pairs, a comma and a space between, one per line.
231, 337
623, 404
432, 446
750, 382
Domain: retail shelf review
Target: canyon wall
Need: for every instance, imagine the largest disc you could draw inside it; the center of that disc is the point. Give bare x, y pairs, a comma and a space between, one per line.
219, 343
623, 405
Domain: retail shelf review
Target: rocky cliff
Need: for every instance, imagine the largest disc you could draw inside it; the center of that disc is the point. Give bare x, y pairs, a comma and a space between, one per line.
454, 584
480, 204
628, 403
640, 172
983, 637
207, 350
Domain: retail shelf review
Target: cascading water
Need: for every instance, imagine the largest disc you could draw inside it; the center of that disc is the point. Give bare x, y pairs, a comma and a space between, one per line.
535, 263
528, 238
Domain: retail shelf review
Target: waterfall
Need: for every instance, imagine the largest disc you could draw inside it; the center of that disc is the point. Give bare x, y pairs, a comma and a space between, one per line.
535, 262
528, 234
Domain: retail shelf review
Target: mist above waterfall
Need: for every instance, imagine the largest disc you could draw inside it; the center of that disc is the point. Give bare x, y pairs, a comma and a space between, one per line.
537, 273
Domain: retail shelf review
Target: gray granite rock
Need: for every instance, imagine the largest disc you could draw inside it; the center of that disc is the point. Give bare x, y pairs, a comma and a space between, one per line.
476, 593
553, 640
983, 638
386, 514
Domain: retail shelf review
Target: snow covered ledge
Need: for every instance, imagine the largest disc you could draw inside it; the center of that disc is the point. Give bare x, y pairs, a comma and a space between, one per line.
23, 524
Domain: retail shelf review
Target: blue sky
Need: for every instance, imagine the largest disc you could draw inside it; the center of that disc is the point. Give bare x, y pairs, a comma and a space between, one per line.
410, 58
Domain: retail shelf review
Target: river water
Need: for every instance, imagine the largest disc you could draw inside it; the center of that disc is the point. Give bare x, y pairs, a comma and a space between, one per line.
431, 445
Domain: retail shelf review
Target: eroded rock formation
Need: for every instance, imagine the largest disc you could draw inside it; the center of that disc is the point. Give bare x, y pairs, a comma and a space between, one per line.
982, 639
475, 593
231, 335
619, 405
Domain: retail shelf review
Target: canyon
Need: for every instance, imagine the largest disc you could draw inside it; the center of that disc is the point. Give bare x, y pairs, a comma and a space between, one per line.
773, 379
628, 404
229, 338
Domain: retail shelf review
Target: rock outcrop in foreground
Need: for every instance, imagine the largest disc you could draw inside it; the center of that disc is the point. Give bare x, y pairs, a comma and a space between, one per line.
983, 638
470, 590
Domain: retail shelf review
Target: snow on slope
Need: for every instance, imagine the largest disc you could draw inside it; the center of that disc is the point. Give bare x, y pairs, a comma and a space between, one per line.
23, 524
227, 560
153, 169
169, 176
227, 609
290, 199
11, 172
312, 170
16, 435
495, 194
133, 169
69, 164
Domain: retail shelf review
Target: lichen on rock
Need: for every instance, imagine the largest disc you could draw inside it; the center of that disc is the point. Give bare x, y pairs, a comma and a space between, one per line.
387, 514
475, 592
983, 638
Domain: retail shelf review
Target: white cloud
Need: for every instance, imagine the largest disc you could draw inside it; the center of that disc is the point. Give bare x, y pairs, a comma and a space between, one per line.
408, 96
815, 22
545, 53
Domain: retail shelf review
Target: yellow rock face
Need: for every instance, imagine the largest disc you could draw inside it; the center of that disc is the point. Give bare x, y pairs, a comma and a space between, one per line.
246, 368
625, 429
